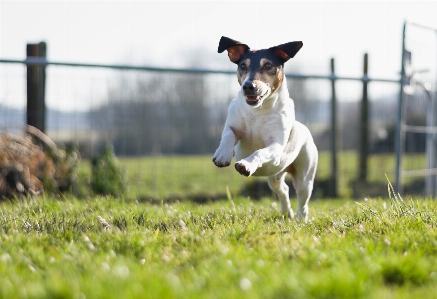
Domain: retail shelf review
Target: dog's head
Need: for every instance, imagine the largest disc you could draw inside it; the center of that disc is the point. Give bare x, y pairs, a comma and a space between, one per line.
260, 72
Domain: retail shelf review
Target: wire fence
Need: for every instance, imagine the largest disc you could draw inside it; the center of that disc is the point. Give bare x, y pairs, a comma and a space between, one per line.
154, 116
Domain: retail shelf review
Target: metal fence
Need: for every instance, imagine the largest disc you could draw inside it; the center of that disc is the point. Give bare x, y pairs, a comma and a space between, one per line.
155, 112
417, 107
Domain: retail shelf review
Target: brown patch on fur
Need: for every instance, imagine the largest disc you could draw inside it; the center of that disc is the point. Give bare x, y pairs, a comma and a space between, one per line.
277, 81
282, 54
241, 75
291, 170
272, 77
236, 52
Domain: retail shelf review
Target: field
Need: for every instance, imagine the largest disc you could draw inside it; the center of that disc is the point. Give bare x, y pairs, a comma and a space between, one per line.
105, 247
181, 177
110, 248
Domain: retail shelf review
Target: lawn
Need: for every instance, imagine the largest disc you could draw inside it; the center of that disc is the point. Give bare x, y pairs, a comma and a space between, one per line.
111, 248
163, 177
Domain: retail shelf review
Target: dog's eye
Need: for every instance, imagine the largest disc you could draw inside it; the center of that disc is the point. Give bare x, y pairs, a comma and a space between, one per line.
243, 67
268, 66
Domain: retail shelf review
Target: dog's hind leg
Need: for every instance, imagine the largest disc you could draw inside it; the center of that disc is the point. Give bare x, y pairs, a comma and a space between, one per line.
303, 171
278, 185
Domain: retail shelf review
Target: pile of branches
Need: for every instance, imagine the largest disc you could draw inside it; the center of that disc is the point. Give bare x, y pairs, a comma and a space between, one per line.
33, 164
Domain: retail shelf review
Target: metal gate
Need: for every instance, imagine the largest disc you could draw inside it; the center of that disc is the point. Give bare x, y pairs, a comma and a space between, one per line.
416, 130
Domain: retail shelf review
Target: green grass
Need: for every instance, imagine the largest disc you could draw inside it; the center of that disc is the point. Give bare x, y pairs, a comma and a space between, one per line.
162, 177
108, 248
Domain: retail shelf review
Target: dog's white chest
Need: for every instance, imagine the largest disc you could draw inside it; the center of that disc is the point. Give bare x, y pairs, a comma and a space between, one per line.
259, 131
255, 131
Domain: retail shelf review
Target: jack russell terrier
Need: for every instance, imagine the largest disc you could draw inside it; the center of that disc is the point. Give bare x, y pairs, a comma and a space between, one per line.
261, 129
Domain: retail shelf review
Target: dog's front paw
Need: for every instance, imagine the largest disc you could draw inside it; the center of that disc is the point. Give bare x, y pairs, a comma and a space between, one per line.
245, 168
222, 159
277, 161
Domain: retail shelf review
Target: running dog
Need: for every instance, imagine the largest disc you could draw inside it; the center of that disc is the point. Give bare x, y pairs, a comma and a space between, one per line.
261, 129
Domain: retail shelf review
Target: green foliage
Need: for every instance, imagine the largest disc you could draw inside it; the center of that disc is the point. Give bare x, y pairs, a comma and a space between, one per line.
107, 178
105, 248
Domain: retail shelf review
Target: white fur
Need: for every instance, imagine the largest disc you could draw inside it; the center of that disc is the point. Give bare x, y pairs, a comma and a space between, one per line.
266, 140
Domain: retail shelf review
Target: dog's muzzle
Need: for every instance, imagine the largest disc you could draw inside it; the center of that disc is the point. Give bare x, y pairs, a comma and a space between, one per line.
252, 93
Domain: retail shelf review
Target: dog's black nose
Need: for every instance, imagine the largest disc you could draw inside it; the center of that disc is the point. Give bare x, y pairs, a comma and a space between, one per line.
249, 87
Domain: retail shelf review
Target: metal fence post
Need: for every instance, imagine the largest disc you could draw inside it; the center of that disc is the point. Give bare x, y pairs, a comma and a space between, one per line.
400, 133
430, 147
36, 77
364, 126
433, 140
334, 133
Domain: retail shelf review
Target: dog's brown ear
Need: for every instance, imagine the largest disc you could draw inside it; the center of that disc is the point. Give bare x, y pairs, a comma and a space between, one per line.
288, 50
235, 49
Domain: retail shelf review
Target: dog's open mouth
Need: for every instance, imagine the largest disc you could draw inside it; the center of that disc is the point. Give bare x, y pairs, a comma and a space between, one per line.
254, 100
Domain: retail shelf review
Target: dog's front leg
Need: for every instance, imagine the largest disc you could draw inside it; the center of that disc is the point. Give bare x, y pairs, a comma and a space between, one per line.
249, 165
223, 155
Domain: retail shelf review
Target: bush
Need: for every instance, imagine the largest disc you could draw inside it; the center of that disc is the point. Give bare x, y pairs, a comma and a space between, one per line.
107, 178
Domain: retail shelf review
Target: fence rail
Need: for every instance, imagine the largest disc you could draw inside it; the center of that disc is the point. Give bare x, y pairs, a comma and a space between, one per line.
45, 62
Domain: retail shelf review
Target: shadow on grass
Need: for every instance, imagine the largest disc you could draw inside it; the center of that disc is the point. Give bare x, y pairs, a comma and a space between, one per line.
259, 189
255, 190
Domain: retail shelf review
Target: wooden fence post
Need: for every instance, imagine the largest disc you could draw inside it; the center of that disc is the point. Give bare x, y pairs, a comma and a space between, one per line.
364, 126
333, 181
36, 77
